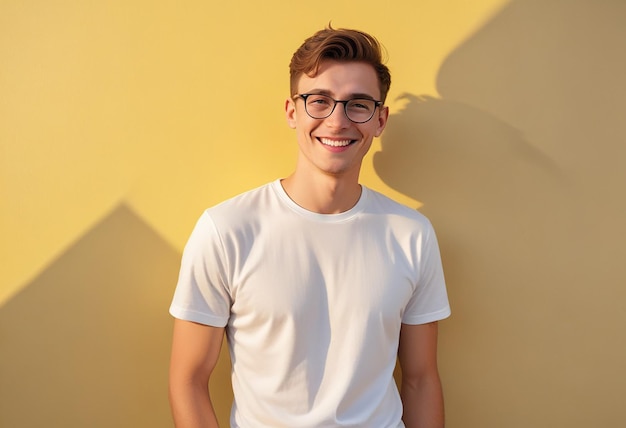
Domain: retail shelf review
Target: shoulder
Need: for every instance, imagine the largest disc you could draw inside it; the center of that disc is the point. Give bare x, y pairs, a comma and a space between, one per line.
394, 211
241, 214
248, 197
237, 218
243, 205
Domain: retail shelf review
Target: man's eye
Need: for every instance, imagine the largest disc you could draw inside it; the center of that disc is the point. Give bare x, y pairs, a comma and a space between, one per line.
357, 105
318, 101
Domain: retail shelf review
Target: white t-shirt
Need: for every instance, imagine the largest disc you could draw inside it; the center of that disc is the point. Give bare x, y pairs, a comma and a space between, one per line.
312, 304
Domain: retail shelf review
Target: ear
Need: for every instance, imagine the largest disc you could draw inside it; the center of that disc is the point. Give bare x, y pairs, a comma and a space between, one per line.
290, 112
383, 115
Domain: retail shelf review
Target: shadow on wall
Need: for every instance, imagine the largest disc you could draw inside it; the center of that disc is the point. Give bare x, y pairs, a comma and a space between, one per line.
521, 166
86, 344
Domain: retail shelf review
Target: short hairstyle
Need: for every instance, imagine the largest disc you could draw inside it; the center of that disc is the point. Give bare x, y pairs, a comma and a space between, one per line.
339, 45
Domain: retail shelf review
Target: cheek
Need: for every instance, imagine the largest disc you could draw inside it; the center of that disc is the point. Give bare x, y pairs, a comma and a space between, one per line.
305, 124
370, 132
302, 133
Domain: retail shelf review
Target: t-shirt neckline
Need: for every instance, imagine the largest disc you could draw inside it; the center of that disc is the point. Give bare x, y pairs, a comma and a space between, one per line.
328, 218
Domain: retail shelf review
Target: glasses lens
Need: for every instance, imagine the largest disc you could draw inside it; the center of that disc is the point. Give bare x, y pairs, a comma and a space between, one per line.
319, 106
360, 109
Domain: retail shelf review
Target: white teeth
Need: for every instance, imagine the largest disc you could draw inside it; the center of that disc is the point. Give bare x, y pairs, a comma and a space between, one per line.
335, 143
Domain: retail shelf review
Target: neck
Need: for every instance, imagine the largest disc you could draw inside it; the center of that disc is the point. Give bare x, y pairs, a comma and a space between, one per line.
323, 194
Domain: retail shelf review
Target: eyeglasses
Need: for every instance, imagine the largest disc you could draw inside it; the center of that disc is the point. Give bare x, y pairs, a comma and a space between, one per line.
358, 110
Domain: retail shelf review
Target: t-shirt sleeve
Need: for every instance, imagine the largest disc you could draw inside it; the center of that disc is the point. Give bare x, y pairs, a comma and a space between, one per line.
202, 292
429, 301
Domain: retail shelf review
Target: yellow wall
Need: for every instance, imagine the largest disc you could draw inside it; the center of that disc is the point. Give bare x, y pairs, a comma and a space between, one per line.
120, 121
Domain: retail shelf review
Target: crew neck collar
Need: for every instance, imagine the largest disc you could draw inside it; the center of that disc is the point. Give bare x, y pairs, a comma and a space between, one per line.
328, 218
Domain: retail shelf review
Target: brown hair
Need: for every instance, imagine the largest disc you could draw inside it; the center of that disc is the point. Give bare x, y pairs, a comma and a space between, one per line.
339, 45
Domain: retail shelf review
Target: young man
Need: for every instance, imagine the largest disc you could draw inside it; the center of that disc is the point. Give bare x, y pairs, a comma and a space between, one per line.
319, 282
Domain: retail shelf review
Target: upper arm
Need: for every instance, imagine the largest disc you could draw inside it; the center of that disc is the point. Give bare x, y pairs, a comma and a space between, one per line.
417, 352
195, 351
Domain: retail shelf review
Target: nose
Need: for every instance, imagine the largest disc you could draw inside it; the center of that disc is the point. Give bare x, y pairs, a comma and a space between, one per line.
338, 118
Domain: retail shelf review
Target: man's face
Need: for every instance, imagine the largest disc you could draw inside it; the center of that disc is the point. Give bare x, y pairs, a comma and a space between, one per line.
335, 145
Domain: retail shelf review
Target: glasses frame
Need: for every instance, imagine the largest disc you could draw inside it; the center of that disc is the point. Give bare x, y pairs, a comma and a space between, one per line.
377, 104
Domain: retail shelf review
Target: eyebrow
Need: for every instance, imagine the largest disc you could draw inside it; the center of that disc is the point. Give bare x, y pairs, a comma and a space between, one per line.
350, 96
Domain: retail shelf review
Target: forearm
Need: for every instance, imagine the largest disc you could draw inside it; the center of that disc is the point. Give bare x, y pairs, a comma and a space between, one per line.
422, 400
191, 406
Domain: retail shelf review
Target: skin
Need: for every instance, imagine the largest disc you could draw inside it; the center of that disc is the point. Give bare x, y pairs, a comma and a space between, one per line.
325, 180
195, 350
420, 391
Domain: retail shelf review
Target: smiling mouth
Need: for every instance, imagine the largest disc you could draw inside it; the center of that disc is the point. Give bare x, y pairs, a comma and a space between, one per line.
335, 143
